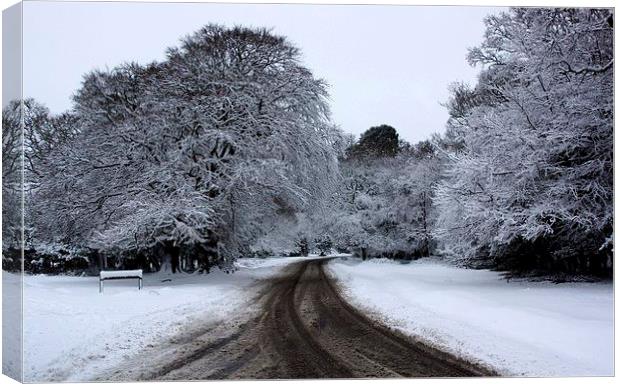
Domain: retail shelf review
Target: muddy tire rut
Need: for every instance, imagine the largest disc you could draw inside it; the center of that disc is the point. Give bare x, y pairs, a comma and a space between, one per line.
301, 327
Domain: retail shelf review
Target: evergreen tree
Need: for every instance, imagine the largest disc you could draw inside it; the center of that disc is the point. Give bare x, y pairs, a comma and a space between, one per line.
380, 141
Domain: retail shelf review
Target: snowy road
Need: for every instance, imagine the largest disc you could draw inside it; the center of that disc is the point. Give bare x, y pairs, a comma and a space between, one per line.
302, 329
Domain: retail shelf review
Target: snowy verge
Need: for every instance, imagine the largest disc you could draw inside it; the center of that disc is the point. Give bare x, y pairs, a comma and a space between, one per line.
11, 326
72, 332
517, 328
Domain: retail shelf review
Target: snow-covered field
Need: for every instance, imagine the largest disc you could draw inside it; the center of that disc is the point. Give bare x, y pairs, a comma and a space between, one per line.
72, 331
518, 328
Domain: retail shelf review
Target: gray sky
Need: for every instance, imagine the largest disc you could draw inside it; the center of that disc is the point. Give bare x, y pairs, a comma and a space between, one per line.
384, 64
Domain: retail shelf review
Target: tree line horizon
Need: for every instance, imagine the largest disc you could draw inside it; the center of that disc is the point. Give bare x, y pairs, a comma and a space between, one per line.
226, 149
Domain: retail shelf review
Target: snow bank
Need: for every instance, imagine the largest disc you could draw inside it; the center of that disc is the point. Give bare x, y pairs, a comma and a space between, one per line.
73, 332
253, 263
518, 328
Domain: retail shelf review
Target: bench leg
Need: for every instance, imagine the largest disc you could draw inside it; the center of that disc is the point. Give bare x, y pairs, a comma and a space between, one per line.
140, 284
100, 286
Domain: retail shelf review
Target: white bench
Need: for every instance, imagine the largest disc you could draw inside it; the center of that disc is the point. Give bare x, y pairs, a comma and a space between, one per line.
119, 275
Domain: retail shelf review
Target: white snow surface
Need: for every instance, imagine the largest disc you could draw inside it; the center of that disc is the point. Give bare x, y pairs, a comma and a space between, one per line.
518, 328
11, 325
73, 333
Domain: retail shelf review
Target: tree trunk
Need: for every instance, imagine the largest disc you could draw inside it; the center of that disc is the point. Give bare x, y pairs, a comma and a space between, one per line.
304, 248
154, 263
425, 247
174, 259
103, 261
171, 254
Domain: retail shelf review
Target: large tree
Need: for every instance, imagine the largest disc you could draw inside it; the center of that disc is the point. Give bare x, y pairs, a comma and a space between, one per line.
205, 148
531, 173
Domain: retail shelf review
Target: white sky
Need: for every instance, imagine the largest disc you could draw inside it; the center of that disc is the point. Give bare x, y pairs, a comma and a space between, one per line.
385, 64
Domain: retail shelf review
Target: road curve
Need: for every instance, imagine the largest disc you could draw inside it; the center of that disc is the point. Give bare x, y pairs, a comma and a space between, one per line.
303, 329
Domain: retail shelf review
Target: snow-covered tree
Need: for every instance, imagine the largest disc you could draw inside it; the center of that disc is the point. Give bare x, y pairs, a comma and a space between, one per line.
386, 203
208, 147
414, 202
30, 133
533, 158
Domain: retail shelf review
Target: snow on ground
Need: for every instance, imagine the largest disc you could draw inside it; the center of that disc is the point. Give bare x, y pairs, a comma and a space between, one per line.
518, 328
11, 326
257, 263
73, 332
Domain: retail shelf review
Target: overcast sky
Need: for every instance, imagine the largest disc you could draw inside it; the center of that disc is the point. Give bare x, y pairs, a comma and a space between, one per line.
384, 64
